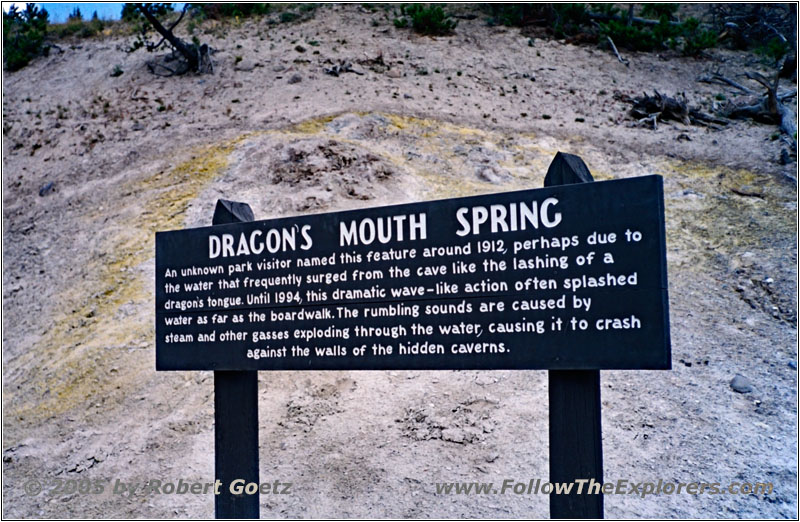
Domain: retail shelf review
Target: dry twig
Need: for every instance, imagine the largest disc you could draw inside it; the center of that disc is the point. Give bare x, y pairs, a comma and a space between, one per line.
614, 48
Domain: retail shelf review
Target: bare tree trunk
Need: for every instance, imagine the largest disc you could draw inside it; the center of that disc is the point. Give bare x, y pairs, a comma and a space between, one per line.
188, 52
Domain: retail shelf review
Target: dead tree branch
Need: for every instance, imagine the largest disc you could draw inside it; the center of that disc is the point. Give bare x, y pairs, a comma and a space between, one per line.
614, 48
196, 57
151, 47
718, 78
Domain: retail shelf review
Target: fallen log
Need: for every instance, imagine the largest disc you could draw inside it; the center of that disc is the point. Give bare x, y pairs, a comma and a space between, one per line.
768, 108
718, 78
663, 108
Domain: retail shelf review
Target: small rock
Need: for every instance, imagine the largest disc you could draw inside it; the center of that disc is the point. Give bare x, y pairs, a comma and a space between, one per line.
793, 365
46, 188
300, 49
492, 174
394, 73
245, 65
137, 126
741, 384
295, 78
692, 193
408, 97
454, 435
784, 159
278, 68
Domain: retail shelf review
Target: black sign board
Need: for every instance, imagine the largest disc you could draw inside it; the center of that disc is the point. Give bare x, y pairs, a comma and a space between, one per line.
565, 277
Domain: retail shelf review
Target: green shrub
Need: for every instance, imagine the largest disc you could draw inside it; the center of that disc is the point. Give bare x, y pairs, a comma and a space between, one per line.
562, 18
429, 20
130, 13
774, 49
649, 38
568, 19
288, 16
90, 29
695, 39
67, 29
512, 15
23, 35
656, 11
632, 37
606, 9
76, 27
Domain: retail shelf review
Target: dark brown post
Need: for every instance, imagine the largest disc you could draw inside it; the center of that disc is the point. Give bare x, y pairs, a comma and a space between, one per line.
235, 414
576, 440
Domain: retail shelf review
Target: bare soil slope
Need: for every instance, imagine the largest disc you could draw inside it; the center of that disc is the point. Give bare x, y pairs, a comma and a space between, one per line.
481, 111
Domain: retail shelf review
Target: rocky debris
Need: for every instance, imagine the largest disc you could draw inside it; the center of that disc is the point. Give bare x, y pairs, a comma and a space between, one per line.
753, 281
9, 454
492, 174
307, 406
761, 293
359, 127
741, 384
170, 64
295, 78
467, 423
338, 167
85, 462
485, 164
47, 188
341, 67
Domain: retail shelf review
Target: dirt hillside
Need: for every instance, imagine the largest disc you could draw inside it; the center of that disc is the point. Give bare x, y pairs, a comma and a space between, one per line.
482, 111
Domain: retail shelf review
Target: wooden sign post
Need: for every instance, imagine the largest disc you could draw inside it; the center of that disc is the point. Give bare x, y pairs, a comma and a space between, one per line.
569, 278
235, 413
576, 439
